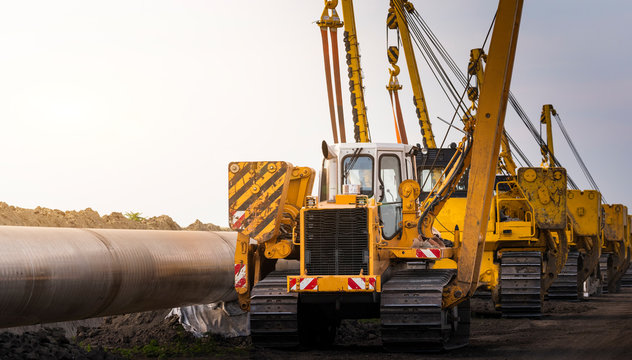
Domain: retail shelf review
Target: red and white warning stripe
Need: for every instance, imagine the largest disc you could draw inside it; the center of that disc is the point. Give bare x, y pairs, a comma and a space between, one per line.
240, 275
292, 284
428, 253
356, 283
238, 219
310, 283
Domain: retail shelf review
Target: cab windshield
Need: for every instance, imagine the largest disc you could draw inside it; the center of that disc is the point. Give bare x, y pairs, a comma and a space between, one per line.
358, 170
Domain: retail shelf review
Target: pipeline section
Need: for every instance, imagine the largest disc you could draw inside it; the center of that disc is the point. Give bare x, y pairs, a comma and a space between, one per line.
62, 274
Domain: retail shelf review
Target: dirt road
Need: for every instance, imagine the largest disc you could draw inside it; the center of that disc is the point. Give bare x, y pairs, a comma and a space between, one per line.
600, 328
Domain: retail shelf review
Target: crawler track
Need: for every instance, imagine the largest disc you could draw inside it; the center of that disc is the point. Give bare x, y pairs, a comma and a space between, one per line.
274, 313
566, 286
603, 267
520, 284
626, 280
412, 318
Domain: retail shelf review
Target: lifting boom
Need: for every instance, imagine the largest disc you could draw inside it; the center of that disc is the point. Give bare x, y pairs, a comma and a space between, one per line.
485, 150
397, 19
360, 121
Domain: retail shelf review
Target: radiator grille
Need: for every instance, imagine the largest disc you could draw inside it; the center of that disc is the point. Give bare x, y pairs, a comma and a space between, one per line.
336, 241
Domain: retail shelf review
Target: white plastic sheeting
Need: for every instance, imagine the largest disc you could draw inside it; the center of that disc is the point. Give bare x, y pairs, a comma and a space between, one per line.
221, 318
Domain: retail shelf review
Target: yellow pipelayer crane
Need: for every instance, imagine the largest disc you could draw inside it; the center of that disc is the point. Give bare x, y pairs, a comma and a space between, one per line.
592, 229
626, 279
526, 253
584, 231
526, 242
358, 241
585, 239
615, 256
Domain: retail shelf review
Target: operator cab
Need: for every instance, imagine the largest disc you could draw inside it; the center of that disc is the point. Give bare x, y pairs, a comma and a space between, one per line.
372, 169
430, 166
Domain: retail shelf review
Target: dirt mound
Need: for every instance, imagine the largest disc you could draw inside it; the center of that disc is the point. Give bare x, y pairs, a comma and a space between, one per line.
200, 226
152, 334
88, 218
134, 330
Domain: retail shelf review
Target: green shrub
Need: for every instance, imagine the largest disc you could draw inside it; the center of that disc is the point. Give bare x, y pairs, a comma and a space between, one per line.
134, 216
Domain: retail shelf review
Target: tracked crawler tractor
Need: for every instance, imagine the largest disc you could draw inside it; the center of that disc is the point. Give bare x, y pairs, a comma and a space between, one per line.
365, 243
581, 273
626, 279
615, 257
543, 241
526, 239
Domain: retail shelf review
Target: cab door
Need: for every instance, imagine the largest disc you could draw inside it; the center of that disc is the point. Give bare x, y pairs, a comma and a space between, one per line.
390, 168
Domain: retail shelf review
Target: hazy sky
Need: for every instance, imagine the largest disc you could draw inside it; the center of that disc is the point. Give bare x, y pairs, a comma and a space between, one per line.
140, 105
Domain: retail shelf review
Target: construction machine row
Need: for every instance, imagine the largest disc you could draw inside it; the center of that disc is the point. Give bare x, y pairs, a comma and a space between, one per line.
409, 234
403, 233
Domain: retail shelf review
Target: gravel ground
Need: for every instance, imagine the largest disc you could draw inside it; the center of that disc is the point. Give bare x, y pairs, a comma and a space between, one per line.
600, 328
47, 344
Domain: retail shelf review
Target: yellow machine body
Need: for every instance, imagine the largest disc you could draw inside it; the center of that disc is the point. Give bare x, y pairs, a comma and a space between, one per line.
584, 207
616, 245
377, 258
523, 210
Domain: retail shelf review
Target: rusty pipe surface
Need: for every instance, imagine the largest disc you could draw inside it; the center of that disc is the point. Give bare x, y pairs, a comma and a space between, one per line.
61, 274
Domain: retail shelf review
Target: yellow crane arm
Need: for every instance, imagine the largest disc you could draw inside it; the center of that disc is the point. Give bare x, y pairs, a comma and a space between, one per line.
506, 156
360, 122
476, 68
490, 119
397, 8
545, 118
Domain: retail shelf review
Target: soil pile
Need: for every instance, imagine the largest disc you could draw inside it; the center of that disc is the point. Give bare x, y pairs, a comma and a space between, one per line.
133, 330
152, 334
88, 218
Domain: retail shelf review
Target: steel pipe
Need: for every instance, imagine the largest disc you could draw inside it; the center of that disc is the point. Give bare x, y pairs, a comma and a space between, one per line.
61, 274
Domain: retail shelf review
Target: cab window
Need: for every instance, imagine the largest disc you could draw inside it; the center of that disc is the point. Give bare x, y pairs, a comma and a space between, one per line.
391, 205
358, 170
428, 178
390, 178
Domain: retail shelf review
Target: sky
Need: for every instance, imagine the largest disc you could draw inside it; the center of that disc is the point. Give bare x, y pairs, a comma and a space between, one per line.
140, 105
